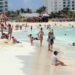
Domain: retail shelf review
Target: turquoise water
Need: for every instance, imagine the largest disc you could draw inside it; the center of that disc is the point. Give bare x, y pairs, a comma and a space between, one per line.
62, 33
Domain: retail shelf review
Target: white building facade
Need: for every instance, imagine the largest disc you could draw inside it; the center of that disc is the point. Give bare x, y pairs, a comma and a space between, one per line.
3, 6
57, 5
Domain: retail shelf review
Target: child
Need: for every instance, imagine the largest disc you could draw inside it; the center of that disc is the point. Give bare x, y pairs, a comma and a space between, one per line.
13, 39
55, 61
31, 39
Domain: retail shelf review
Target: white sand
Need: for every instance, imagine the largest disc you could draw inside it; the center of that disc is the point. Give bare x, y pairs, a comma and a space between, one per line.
16, 59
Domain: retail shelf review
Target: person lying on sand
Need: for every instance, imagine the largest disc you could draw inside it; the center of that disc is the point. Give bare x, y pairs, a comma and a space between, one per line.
14, 40
4, 36
55, 61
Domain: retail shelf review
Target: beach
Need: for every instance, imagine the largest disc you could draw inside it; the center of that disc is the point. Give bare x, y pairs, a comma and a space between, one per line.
42, 23
14, 59
24, 59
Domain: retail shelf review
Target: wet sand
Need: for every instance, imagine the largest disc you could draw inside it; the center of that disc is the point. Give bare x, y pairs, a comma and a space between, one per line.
42, 65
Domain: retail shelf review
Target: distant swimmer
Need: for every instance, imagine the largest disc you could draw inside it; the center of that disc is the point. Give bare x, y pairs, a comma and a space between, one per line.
73, 44
72, 26
65, 34
31, 28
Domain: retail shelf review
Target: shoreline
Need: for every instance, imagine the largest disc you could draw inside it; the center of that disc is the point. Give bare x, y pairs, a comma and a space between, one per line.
37, 23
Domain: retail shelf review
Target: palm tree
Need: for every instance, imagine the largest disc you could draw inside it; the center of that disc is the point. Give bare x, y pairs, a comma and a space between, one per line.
22, 10
17, 12
65, 10
41, 9
28, 10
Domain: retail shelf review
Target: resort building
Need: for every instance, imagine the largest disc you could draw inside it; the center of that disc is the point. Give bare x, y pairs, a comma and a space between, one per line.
3, 6
57, 5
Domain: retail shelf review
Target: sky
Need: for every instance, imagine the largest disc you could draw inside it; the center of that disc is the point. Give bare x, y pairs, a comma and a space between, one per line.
17, 4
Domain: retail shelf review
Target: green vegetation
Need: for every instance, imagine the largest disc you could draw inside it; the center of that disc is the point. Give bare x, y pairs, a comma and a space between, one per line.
41, 10
14, 15
65, 13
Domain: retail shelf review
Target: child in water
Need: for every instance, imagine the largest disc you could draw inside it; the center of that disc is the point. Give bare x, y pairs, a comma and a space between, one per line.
31, 39
14, 40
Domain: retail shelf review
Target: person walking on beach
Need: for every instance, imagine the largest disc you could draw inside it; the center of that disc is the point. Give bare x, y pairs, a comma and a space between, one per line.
50, 40
9, 31
2, 27
55, 61
40, 34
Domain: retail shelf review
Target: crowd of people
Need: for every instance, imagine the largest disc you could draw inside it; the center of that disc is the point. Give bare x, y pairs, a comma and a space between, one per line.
50, 39
9, 31
6, 33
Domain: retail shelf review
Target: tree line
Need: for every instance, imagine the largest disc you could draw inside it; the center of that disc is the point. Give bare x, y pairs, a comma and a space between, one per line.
65, 13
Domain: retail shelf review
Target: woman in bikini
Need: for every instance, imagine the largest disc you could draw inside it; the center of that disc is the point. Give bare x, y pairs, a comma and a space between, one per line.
41, 33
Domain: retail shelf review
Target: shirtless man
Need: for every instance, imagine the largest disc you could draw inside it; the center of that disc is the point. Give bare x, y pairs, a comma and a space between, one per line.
9, 31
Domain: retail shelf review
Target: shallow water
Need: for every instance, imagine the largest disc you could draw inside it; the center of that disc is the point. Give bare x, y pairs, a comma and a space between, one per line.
62, 33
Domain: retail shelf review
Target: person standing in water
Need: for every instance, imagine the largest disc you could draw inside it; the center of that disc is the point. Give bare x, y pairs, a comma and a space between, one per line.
9, 31
50, 40
40, 34
31, 39
31, 28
